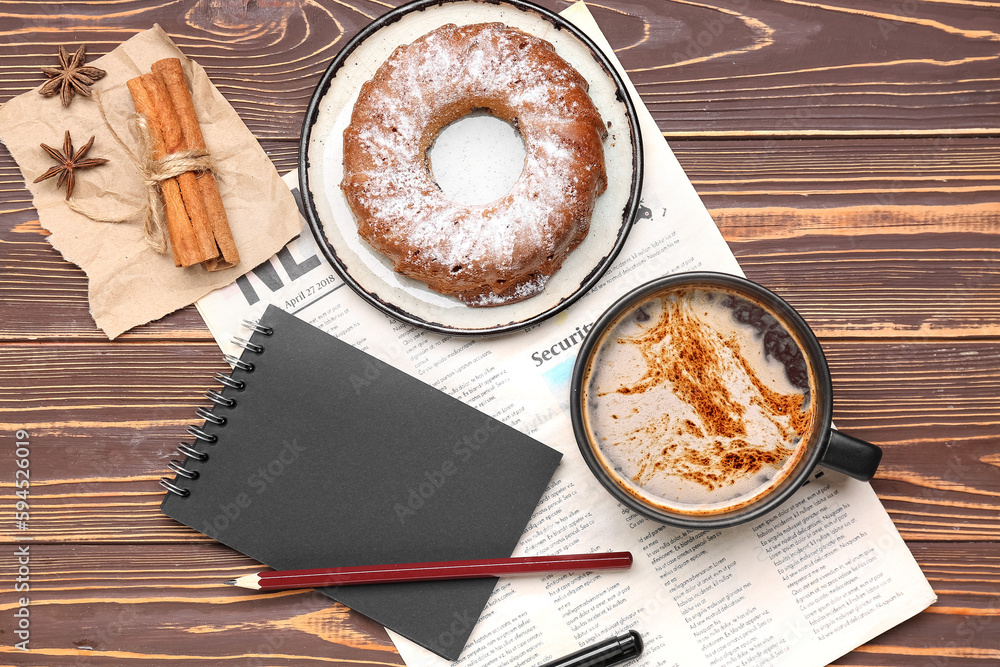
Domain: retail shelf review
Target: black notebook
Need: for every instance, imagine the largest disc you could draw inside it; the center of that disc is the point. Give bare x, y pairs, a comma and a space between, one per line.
329, 457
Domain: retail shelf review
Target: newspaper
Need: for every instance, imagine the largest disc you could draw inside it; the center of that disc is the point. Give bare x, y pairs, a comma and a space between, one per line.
813, 580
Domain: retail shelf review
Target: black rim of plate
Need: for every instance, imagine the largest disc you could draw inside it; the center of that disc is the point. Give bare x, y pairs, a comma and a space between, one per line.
316, 225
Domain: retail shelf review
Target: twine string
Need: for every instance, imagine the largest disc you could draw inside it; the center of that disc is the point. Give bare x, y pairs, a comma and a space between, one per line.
154, 171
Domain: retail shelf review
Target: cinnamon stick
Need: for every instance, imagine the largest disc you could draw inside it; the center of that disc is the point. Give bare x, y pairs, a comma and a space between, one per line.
172, 74
190, 242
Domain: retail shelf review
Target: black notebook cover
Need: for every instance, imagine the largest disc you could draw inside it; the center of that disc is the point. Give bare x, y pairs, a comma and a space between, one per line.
331, 457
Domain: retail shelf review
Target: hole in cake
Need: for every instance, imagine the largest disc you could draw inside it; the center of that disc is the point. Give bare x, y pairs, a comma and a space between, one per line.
477, 158
456, 269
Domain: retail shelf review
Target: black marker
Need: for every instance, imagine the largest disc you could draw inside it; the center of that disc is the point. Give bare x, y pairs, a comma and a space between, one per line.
609, 652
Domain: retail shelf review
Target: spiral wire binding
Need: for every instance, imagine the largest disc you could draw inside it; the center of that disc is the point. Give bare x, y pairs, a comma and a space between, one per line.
210, 417
239, 363
182, 471
238, 385
258, 327
247, 345
188, 448
219, 399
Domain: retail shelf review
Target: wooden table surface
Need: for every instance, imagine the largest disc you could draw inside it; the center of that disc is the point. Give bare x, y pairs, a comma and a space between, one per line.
848, 150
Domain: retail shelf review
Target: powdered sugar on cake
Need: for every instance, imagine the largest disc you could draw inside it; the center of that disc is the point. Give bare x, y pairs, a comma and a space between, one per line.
485, 254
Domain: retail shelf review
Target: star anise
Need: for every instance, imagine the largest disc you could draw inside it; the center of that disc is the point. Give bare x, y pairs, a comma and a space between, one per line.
71, 77
69, 162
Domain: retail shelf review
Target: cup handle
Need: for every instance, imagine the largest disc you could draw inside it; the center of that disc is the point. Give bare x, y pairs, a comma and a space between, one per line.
855, 458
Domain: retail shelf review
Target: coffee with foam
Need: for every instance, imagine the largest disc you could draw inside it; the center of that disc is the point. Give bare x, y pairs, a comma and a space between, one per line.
699, 401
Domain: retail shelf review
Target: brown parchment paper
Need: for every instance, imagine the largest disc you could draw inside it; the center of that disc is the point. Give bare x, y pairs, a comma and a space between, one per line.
129, 283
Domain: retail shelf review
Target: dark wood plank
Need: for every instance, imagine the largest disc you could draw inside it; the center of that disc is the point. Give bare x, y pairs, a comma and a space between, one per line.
127, 605
104, 420
721, 68
873, 178
940, 466
931, 285
850, 67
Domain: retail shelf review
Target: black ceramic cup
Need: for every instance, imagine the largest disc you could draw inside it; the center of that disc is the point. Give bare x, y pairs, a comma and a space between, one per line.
703, 400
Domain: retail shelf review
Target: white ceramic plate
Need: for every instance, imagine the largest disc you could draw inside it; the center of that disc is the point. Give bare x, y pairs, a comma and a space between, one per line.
367, 271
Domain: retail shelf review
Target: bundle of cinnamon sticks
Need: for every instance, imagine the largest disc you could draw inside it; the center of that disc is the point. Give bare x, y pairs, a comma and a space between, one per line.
196, 220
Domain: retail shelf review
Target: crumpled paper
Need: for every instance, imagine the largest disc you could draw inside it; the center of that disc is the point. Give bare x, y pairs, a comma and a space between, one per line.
130, 283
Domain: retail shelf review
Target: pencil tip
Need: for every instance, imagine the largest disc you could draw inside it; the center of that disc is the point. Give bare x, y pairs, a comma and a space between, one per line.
231, 582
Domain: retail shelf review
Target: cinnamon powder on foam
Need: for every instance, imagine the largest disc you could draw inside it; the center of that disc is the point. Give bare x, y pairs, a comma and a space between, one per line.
684, 355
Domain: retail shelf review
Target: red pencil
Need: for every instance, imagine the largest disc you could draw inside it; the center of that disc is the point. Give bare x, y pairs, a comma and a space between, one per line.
453, 569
